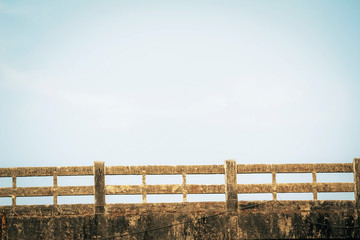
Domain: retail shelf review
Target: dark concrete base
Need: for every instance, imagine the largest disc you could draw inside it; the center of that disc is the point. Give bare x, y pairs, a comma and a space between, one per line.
204, 220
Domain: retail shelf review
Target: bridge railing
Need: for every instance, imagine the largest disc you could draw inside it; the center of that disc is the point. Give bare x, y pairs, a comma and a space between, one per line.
313, 187
230, 169
184, 188
54, 190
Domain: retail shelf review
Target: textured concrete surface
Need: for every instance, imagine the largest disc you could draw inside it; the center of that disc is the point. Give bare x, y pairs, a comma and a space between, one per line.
203, 220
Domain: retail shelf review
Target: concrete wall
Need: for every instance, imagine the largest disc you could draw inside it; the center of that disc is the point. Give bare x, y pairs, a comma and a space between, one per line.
203, 220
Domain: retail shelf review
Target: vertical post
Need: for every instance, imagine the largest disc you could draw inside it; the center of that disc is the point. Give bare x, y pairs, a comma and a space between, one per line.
143, 187
314, 186
184, 190
55, 186
356, 170
274, 189
231, 190
13, 200
356, 166
99, 185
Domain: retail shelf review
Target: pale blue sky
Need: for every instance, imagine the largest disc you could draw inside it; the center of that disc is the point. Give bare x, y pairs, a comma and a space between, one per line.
179, 82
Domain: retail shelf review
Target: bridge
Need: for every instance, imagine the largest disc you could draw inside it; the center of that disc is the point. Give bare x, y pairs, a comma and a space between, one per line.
229, 219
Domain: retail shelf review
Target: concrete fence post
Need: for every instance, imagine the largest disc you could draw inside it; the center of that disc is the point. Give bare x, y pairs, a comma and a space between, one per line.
99, 185
356, 166
231, 191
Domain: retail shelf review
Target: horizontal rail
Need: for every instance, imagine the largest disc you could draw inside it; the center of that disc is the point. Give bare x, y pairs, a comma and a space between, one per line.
296, 187
193, 189
174, 189
164, 170
336, 187
78, 190
27, 171
46, 191
188, 169
74, 171
164, 189
122, 189
295, 168
254, 188
46, 171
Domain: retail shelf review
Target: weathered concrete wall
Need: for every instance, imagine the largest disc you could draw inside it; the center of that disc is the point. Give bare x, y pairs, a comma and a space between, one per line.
204, 220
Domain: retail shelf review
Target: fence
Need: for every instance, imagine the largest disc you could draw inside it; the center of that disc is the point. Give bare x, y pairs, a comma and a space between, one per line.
230, 169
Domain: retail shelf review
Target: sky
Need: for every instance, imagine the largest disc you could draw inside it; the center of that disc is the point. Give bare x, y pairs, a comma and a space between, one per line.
179, 82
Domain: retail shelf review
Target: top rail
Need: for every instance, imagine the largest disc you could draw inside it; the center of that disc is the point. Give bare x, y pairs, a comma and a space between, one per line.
295, 168
179, 169
46, 171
